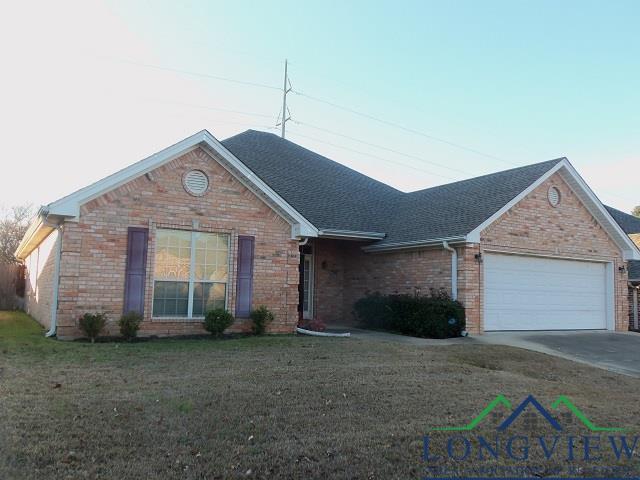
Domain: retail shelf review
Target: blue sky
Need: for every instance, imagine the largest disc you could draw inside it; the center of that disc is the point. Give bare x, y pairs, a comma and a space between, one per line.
518, 81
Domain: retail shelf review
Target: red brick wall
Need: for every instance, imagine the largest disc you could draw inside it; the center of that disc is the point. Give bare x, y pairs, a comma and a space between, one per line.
94, 248
534, 226
344, 274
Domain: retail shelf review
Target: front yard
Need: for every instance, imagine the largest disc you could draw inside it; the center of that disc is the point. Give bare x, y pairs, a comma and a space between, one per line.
269, 407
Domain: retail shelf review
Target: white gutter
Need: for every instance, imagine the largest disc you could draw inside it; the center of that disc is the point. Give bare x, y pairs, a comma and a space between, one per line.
56, 284
454, 269
334, 233
436, 242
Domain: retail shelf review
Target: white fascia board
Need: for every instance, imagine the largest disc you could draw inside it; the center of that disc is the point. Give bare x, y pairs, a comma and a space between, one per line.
357, 235
413, 244
474, 235
69, 206
599, 212
588, 198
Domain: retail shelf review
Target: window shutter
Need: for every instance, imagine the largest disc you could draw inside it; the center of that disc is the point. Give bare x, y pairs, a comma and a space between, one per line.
135, 276
245, 276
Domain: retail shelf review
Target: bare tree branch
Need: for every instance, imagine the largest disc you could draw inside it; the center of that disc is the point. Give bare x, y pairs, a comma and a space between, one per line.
13, 224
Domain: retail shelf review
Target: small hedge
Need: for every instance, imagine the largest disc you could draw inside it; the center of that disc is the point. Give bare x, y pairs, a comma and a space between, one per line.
434, 316
129, 324
217, 321
260, 318
92, 324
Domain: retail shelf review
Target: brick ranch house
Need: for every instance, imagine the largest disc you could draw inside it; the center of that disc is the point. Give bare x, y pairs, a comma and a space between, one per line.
258, 220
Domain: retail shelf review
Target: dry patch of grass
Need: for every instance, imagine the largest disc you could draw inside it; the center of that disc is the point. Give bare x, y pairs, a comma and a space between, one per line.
270, 407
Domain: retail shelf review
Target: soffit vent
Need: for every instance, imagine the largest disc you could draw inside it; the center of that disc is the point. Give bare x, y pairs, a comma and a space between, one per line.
196, 182
554, 196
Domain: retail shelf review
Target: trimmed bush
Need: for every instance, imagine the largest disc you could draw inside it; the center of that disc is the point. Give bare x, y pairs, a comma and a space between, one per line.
129, 324
260, 318
217, 321
434, 316
92, 324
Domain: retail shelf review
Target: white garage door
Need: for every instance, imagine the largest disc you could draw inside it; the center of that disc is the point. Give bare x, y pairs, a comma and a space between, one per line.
533, 293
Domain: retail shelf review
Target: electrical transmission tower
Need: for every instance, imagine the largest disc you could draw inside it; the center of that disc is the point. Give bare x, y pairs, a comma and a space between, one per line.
285, 115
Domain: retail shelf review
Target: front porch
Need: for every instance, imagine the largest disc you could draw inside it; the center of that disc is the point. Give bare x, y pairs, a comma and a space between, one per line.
335, 273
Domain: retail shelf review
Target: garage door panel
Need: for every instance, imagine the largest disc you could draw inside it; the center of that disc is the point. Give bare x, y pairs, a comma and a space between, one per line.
533, 293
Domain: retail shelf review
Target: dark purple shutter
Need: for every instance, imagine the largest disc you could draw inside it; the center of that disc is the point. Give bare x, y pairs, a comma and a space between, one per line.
134, 281
245, 276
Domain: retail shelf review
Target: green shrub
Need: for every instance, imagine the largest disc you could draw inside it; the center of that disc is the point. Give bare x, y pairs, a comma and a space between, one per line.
217, 321
260, 318
374, 311
433, 316
92, 324
129, 324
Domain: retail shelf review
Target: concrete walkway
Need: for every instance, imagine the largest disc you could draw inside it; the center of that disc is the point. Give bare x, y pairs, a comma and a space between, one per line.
614, 351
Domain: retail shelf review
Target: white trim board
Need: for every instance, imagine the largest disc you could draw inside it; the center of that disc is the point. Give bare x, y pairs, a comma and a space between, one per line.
69, 206
588, 198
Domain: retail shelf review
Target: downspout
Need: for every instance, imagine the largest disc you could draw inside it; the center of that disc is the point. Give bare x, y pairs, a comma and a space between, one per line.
56, 284
302, 243
454, 269
635, 304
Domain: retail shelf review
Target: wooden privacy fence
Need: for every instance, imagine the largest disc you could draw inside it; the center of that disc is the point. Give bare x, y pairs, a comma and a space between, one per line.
11, 286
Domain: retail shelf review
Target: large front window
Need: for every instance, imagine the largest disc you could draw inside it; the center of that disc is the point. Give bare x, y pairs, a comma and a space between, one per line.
191, 272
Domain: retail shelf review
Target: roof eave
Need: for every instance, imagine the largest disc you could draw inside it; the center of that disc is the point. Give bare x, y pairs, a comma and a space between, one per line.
350, 234
394, 246
40, 227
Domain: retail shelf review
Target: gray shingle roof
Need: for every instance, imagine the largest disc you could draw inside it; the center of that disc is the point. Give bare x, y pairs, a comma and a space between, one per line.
628, 223
332, 196
634, 270
325, 192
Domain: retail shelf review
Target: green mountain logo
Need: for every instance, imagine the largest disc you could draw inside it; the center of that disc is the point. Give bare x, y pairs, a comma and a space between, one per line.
561, 401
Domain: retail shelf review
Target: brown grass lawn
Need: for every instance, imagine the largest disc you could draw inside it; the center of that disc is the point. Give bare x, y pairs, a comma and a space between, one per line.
270, 407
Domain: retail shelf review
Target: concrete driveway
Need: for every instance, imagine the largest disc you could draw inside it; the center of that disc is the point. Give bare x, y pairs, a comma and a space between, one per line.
615, 351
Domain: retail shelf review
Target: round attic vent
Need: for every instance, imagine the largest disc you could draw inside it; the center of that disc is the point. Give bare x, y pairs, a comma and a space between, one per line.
196, 182
554, 196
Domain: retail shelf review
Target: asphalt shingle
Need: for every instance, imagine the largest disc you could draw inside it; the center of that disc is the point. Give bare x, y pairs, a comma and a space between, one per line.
332, 196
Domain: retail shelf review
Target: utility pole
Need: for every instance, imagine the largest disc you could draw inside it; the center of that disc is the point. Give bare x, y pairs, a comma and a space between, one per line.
286, 88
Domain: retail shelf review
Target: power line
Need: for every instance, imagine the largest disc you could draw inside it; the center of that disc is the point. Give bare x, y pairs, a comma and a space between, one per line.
383, 148
401, 127
206, 107
195, 74
370, 155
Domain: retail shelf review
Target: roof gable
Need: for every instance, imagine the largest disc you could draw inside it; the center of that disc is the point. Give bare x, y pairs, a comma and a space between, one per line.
69, 206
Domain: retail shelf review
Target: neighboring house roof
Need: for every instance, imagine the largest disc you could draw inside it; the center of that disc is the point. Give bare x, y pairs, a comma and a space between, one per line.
322, 198
634, 270
629, 223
